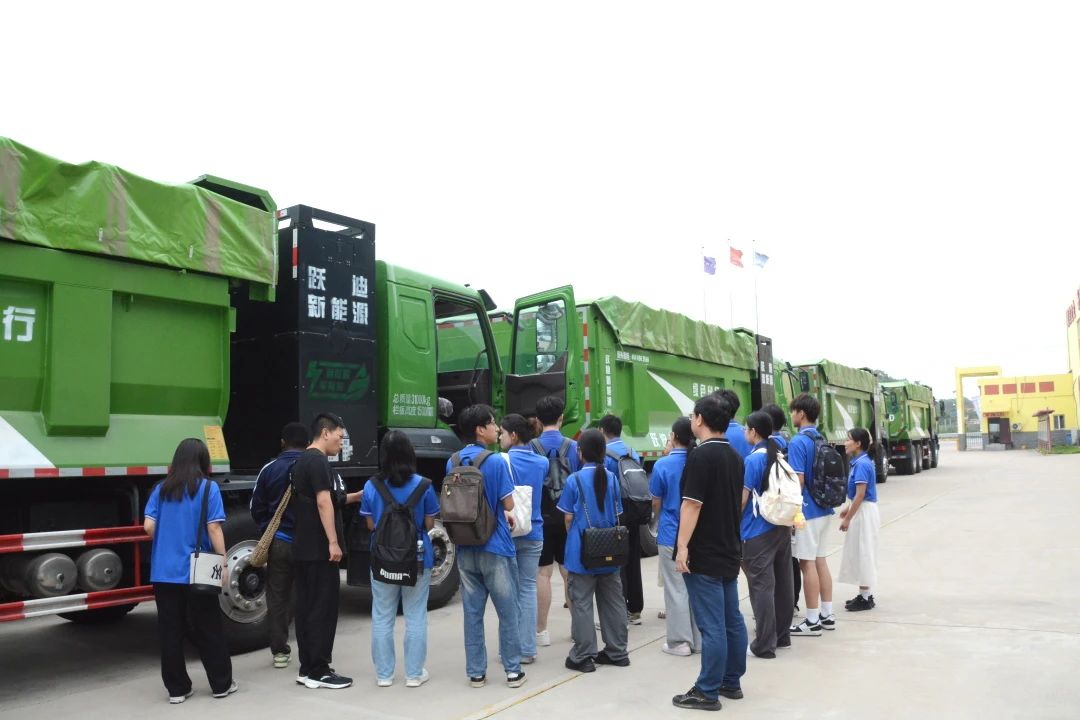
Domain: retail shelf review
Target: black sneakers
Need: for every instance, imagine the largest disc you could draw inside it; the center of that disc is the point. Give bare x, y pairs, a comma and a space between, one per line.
602, 658
585, 666
731, 693
858, 603
330, 681
515, 680
695, 700
828, 623
477, 681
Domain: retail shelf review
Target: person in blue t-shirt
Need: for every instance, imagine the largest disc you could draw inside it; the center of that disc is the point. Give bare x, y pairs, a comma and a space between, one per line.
766, 547
549, 412
269, 488
489, 569
779, 419
612, 426
397, 463
861, 521
172, 520
810, 540
735, 432
530, 470
591, 499
683, 637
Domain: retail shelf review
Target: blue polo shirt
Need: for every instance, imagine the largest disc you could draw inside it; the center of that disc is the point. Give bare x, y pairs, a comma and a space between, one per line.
664, 484
578, 486
372, 506
862, 472
619, 448
801, 458
174, 536
551, 440
497, 486
736, 435
530, 469
753, 472
781, 442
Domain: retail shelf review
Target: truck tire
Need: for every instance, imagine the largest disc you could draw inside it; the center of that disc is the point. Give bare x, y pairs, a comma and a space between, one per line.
881, 465
445, 577
909, 461
101, 616
933, 453
243, 605
916, 458
924, 454
648, 538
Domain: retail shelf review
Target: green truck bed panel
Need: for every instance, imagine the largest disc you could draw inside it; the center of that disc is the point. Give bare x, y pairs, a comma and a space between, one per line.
101, 209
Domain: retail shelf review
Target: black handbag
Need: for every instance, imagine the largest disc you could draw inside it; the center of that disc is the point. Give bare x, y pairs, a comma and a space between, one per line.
603, 547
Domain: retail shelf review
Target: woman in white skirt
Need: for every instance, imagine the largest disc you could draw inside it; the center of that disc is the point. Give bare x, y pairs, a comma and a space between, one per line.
861, 521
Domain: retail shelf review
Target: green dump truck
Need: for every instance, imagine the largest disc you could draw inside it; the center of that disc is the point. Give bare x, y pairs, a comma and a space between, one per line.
137, 314
849, 398
914, 444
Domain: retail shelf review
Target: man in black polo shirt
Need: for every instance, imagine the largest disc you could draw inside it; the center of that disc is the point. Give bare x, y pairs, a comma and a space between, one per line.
709, 551
319, 496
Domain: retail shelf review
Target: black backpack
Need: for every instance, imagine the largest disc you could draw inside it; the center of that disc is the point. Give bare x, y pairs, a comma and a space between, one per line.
393, 545
828, 487
634, 487
555, 481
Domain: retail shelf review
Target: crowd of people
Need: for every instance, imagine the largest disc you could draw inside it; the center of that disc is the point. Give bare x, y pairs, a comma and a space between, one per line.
550, 500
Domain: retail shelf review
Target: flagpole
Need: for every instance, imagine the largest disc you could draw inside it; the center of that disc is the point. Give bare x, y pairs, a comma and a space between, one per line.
757, 269
704, 289
730, 295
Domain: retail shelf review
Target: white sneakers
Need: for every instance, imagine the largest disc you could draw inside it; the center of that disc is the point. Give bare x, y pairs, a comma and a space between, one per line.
679, 649
384, 682
543, 639
418, 681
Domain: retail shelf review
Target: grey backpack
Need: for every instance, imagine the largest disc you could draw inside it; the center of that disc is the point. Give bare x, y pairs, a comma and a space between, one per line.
464, 509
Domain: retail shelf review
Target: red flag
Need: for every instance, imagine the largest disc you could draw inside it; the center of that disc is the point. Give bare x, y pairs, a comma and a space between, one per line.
736, 256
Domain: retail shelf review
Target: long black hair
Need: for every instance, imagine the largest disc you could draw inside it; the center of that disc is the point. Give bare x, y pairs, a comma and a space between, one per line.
190, 464
761, 422
397, 458
684, 433
593, 447
861, 436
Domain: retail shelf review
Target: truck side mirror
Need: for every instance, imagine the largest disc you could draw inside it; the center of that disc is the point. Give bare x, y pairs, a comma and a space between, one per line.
804, 381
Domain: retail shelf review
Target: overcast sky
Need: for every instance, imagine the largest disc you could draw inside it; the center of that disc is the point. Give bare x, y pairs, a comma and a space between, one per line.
911, 170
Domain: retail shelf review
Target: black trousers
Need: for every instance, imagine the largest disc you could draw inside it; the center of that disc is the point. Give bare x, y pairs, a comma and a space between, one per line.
631, 574
279, 595
175, 604
796, 580
317, 585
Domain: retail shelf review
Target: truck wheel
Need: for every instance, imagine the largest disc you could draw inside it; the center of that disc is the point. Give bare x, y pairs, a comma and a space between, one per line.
909, 461
648, 537
101, 616
933, 454
881, 465
445, 577
924, 454
243, 603
916, 459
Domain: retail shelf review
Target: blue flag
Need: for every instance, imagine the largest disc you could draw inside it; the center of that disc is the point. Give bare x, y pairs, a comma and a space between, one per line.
760, 259
710, 265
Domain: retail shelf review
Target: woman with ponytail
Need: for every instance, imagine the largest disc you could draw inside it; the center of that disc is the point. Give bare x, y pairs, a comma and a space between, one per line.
683, 637
591, 498
766, 547
861, 521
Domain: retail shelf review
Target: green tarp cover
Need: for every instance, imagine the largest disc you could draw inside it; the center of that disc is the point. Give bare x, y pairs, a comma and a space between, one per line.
101, 209
846, 377
641, 326
915, 391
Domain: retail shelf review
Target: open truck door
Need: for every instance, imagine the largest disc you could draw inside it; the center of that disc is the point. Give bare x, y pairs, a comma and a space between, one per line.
546, 351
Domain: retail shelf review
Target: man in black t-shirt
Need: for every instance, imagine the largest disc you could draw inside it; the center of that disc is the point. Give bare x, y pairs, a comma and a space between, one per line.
319, 496
708, 552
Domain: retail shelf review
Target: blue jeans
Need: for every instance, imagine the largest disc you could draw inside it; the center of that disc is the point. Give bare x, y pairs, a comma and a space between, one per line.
484, 574
528, 564
715, 604
384, 605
